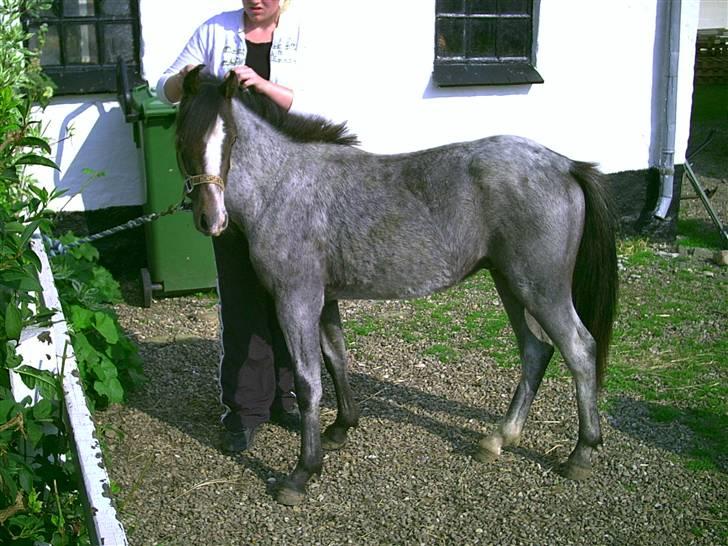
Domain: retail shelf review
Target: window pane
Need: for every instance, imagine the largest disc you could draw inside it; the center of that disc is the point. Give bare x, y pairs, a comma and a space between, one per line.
118, 40
513, 37
81, 44
512, 7
484, 42
75, 8
115, 7
51, 53
480, 7
84, 38
482, 38
450, 37
450, 6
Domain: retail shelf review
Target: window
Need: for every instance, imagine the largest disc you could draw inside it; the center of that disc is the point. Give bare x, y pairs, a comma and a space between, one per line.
485, 42
84, 38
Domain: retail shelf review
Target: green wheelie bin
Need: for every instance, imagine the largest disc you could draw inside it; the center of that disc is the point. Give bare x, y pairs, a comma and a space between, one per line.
179, 258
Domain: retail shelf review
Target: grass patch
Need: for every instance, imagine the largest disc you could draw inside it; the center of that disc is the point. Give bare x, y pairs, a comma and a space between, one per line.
444, 353
670, 347
697, 233
448, 325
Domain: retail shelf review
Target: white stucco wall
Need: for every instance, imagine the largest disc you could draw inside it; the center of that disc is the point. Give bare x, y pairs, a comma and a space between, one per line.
94, 149
596, 57
713, 14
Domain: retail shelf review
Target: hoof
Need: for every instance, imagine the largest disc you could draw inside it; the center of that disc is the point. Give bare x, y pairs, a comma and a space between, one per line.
485, 456
489, 449
290, 496
574, 471
333, 439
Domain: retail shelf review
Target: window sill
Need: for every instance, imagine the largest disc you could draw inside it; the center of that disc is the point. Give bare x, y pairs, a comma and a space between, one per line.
453, 74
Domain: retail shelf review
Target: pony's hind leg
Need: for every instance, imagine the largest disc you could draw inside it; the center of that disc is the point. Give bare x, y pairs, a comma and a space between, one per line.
577, 346
334, 352
535, 356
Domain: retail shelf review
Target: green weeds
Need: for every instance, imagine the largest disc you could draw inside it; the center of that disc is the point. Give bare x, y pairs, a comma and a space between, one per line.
40, 500
108, 361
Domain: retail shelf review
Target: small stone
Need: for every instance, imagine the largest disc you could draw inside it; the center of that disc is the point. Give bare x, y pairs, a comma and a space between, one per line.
721, 257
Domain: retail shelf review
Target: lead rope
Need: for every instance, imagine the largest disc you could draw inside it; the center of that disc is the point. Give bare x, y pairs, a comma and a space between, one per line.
56, 247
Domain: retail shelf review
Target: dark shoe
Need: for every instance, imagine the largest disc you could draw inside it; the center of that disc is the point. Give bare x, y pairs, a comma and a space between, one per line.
288, 419
235, 442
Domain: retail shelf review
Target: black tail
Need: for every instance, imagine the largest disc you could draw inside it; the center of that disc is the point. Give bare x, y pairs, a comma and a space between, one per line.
595, 283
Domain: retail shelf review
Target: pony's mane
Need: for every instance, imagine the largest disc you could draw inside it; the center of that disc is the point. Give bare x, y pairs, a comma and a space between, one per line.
301, 128
298, 127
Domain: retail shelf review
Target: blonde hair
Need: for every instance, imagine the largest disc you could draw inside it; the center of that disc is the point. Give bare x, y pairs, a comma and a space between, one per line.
284, 4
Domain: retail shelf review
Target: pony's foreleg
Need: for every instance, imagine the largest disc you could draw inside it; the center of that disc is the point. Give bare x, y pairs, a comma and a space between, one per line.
299, 321
535, 356
334, 351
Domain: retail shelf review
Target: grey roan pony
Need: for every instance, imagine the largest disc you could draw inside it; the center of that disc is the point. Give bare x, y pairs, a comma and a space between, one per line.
327, 221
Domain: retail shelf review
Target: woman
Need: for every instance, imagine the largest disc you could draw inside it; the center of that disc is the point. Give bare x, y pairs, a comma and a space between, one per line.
260, 44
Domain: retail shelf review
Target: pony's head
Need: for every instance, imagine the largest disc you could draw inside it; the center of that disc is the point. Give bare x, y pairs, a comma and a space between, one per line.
207, 130
204, 140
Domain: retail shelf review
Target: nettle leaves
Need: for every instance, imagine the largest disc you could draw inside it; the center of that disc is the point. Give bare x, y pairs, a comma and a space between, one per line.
107, 360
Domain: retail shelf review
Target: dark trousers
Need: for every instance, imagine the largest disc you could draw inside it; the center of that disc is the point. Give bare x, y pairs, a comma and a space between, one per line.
255, 369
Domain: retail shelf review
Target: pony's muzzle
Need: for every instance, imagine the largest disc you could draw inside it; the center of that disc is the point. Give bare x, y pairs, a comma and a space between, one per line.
212, 226
208, 208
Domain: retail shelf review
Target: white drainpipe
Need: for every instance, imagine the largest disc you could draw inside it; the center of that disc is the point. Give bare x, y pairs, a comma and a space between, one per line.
665, 131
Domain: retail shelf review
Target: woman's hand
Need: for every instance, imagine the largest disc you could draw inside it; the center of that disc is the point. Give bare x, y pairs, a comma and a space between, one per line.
250, 79
173, 86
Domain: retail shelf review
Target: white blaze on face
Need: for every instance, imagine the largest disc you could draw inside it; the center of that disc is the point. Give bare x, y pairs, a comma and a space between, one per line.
211, 208
213, 148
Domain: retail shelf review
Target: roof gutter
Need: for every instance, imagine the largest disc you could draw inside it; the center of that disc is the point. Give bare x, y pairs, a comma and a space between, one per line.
666, 121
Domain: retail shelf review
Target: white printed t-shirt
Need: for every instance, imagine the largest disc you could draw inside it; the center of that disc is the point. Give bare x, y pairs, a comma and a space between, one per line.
219, 44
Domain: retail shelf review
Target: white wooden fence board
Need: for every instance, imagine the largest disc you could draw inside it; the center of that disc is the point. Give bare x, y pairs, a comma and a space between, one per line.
57, 355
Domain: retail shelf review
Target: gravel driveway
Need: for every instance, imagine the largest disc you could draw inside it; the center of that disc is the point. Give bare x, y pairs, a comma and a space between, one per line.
407, 475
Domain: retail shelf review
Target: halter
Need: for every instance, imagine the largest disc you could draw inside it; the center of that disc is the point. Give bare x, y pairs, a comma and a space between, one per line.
198, 179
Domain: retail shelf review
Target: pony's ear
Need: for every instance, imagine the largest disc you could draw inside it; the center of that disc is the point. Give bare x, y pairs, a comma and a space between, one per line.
191, 83
230, 86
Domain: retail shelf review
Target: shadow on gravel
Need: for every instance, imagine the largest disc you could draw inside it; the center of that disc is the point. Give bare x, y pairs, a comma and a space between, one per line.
406, 404
182, 392
696, 434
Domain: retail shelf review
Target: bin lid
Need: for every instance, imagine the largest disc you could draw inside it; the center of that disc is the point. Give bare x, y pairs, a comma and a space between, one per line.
148, 105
